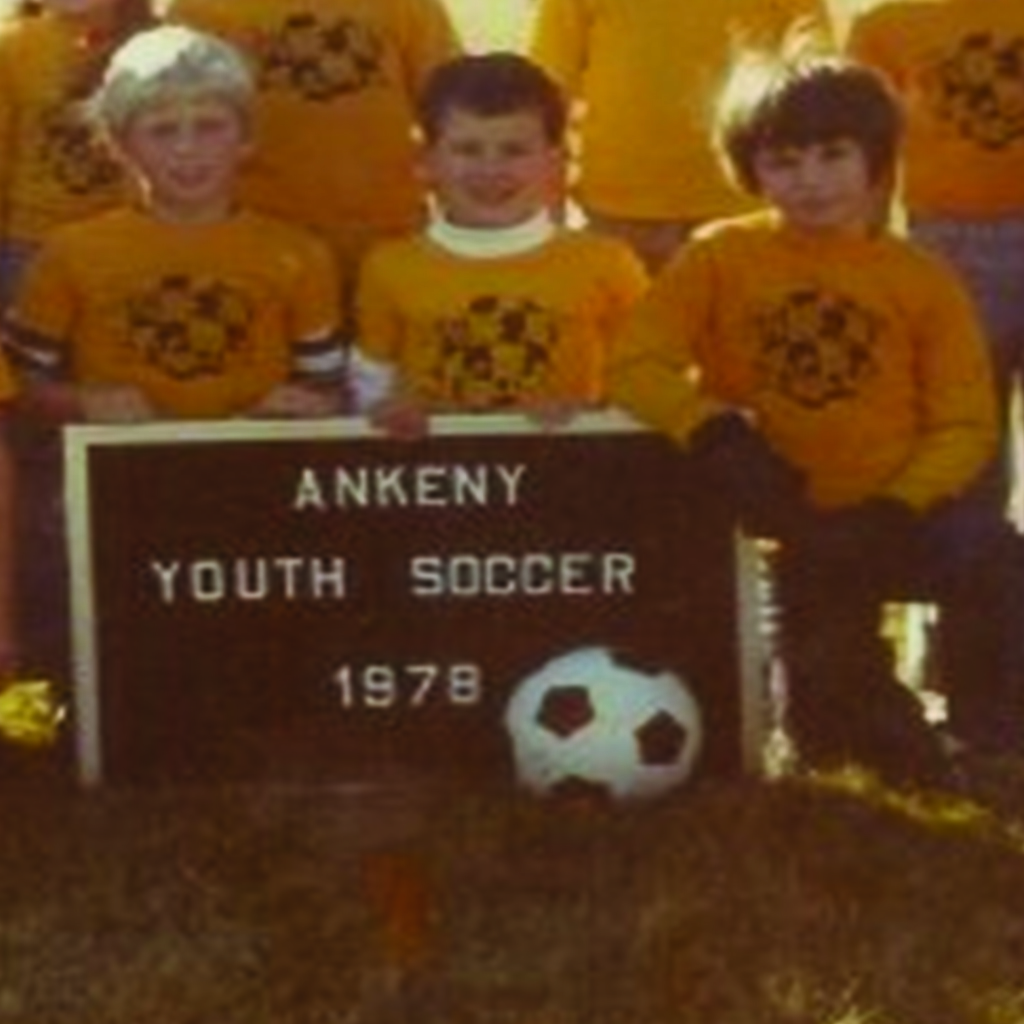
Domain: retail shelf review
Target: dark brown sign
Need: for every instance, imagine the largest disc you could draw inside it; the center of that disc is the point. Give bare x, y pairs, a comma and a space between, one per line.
316, 602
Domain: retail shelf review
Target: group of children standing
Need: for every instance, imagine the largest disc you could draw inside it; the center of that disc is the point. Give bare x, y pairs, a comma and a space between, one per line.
255, 232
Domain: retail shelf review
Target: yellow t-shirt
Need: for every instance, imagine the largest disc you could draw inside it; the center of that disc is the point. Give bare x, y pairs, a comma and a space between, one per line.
647, 73
482, 333
205, 319
52, 167
861, 358
335, 112
959, 65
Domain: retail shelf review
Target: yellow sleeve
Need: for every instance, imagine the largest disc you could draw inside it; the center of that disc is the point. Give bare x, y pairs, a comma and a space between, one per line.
316, 309
654, 372
629, 282
379, 329
959, 410
559, 40
42, 314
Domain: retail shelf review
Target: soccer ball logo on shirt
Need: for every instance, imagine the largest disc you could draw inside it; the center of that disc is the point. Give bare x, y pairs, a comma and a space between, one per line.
321, 60
495, 352
979, 90
190, 328
817, 347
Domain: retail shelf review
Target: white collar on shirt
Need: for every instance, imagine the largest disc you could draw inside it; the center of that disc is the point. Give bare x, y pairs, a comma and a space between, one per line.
491, 243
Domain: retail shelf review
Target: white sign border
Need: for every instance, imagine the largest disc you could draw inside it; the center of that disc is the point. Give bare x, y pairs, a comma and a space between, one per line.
79, 439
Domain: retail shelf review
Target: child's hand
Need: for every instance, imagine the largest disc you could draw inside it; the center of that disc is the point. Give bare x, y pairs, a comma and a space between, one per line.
297, 402
114, 403
402, 418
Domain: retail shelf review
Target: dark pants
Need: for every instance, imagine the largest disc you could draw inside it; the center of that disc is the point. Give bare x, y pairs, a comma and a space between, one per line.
43, 597
844, 696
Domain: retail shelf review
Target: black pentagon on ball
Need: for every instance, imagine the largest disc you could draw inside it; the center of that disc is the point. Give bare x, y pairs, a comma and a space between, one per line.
661, 740
565, 710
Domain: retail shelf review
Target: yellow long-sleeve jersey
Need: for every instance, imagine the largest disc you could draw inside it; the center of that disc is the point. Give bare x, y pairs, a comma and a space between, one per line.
491, 332
52, 167
959, 65
861, 358
204, 318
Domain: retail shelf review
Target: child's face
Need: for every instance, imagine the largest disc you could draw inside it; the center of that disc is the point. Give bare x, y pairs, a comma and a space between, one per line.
822, 187
492, 171
186, 154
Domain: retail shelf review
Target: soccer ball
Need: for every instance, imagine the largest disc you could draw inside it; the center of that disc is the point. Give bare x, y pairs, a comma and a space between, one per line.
592, 721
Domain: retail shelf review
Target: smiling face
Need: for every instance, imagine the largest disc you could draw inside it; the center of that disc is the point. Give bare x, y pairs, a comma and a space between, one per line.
494, 170
186, 153
823, 187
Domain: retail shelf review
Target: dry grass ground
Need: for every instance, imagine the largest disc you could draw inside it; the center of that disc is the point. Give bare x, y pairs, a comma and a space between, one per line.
736, 902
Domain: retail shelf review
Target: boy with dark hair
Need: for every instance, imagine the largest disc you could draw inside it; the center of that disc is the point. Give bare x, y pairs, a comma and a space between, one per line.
831, 380
494, 306
491, 85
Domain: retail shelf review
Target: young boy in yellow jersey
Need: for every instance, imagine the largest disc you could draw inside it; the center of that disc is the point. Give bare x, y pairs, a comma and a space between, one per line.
181, 306
185, 305
832, 382
494, 306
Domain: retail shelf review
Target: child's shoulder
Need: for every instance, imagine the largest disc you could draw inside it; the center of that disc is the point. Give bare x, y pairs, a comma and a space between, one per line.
270, 229
131, 227
95, 227
585, 240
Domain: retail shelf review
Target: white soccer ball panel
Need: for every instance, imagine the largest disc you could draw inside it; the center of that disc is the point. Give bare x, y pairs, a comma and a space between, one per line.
589, 717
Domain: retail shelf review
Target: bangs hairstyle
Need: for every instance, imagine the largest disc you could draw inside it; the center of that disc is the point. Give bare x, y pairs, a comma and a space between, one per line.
169, 63
778, 102
490, 85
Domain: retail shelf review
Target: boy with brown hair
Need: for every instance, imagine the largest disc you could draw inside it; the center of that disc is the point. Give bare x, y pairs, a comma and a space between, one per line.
494, 306
831, 381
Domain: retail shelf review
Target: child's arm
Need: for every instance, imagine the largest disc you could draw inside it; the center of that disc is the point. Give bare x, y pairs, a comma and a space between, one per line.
314, 389
51, 397
297, 401
653, 371
373, 390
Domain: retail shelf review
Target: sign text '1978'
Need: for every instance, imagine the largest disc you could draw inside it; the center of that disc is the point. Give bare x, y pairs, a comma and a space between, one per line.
385, 687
